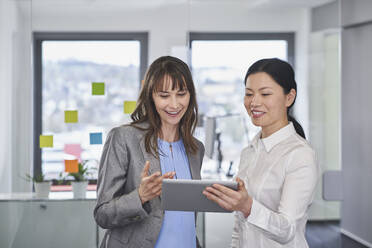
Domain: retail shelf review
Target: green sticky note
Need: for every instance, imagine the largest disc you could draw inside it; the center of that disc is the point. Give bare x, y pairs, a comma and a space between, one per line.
71, 116
129, 107
46, 141
98, 88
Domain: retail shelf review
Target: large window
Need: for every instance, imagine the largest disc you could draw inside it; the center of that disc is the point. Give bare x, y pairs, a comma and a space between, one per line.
219, 62
81, 84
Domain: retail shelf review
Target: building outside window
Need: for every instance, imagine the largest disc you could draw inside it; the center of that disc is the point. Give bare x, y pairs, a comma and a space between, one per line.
93, 74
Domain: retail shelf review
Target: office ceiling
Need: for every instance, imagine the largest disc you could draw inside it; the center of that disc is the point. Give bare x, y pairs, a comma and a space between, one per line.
273, 3
56, 7
159, 3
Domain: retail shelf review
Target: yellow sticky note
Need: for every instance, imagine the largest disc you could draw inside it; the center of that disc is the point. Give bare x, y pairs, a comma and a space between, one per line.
71, 166
46, 141
129, 107
71, 116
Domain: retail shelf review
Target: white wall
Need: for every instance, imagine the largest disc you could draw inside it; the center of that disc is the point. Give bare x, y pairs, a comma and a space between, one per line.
15, 95
6, 15
356, 217
22, 99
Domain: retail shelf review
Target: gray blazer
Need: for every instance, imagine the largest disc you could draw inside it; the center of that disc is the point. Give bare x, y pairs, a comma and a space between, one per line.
119, 208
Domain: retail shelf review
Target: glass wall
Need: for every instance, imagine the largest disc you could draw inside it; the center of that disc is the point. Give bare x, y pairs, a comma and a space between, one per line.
94, 78
325, 105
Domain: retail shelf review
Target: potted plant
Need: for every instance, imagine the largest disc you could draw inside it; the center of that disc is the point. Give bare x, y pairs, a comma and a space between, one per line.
80, 183
42, 187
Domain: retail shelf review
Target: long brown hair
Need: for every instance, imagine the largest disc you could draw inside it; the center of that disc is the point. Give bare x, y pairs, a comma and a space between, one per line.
162, 70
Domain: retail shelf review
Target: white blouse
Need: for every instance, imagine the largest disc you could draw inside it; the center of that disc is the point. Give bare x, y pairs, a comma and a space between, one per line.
280, 173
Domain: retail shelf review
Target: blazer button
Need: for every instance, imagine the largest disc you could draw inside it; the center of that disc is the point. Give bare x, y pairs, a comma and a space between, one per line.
136, 218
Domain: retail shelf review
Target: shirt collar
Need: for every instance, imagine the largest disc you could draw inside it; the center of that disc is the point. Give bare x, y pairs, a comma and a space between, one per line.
275, 138
254, 142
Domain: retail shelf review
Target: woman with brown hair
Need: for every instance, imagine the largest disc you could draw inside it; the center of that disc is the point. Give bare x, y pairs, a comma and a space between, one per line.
157, 144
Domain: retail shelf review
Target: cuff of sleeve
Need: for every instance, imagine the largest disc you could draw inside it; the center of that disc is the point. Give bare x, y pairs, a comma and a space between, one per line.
258, 215
139, 211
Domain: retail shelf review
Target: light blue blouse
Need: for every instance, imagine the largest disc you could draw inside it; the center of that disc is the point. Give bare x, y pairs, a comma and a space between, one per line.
178, 229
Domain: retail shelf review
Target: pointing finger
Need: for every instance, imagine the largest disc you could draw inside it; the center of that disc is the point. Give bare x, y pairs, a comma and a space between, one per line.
145, 171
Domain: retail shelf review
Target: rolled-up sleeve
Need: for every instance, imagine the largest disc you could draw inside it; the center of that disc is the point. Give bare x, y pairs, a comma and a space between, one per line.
114, 208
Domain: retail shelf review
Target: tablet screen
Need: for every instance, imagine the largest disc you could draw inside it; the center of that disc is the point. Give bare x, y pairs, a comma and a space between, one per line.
187, 195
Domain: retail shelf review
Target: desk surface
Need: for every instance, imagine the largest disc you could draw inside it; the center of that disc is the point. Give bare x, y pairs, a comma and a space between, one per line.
53, 196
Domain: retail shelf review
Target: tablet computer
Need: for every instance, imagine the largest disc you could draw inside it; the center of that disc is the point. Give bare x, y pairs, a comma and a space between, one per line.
187, 195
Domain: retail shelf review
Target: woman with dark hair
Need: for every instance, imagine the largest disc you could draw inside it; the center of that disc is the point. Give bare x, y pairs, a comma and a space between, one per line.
278, 171
157, 144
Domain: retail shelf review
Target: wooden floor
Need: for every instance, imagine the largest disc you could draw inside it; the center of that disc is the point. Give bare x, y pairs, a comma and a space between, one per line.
327, 235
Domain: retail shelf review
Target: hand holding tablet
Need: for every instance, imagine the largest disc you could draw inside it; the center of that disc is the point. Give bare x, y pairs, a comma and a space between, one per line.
187, 195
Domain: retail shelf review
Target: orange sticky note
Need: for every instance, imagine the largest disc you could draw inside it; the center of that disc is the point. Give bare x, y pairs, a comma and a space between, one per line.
71, 166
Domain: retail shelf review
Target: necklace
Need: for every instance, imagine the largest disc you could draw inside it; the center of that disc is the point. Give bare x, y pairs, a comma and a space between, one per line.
174, 167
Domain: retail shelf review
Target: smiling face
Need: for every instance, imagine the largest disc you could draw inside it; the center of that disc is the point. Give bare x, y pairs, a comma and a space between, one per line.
171, 104
266, 102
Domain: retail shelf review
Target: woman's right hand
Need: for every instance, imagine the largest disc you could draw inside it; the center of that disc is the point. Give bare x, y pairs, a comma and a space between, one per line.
150, 186
232, 200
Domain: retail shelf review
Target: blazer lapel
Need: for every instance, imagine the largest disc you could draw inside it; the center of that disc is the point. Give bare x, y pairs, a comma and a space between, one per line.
195, 174
154, 162
194, 166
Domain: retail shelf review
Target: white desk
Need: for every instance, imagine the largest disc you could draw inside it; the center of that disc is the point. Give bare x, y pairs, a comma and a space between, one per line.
59, 221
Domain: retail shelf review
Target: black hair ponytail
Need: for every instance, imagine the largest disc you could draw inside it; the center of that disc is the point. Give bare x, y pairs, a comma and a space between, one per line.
297, 126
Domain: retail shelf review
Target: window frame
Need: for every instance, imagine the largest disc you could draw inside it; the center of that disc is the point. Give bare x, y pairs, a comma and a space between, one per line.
221, 36
38, 38
235, 36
